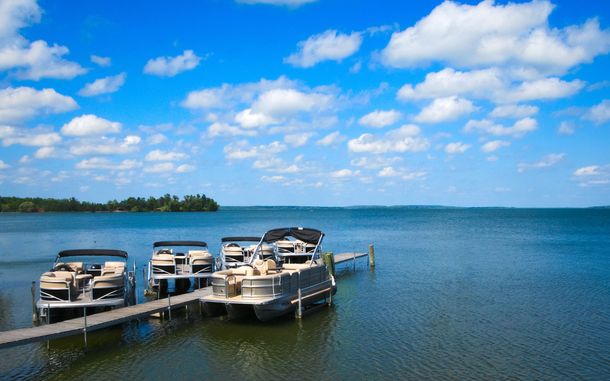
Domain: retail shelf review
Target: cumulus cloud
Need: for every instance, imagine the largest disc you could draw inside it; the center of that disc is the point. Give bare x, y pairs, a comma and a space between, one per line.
284, 102
158, 155
287, 3
101, 61
241, 150
490, 84
329, 45
224, 129
29, 138
486, 34
105, 146
160, 168
599, 113
89, 124
22, 103
45, 152
30, 60
488, 127
514, 111
343, 173
103, 163
566, 128
331, 139
375, 162
184, 168
445, 109
404, 139
298, 140
3, 165
104, 85
591, 170
592, 175
456, 148
380, 118
171, 66
494, 145
251, 119
547, 161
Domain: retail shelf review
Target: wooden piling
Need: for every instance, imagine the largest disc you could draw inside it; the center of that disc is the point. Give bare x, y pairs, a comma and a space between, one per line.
34, 309
371, 256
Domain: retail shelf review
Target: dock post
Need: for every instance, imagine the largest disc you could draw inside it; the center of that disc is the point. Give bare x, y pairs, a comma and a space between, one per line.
169, 306
299, 308
371, 256
34, 309
330, 295
354, 261
144, 280
85, 328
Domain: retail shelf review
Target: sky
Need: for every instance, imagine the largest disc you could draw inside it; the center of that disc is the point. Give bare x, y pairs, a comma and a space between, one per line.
307, 102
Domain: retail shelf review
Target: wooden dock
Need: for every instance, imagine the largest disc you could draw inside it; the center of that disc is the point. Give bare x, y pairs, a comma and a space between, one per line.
346, 257
97, 321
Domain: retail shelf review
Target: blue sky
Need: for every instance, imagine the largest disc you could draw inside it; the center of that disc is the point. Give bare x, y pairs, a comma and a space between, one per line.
307, 102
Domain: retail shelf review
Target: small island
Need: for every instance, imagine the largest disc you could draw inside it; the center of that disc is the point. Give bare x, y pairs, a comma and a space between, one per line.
166, 203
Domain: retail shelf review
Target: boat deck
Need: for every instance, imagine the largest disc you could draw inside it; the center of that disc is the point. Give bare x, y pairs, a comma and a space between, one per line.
99, 320
237, 300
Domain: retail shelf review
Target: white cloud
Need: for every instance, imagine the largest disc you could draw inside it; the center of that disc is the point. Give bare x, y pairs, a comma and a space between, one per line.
224, 129
100, 61
160, 168
515, 34
158, 155
404, 139
343, 173
156, 139
380, 118
21, 103
184, 168
517, 130
89, 124
31, 60
104, 85
331, 139
456, 148
599, 113
298, 140
287, 3
547, 161
103, 163
490, 84
285, 102
250, 119
328, 45
591, 170
514, 111
494, 145
375, 162
30, 138
45, 152
241, 150
566, 128
414, 175
3, 165
445, 109
170, 66
388, 172
105, 146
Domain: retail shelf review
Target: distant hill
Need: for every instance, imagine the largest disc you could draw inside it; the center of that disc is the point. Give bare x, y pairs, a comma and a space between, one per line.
166, 203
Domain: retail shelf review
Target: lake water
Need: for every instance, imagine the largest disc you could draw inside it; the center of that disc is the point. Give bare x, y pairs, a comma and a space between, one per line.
457, 294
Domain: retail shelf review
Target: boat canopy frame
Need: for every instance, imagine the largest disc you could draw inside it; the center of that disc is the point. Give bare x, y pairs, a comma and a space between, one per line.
180, 243
307, 235
241, 239
91, 252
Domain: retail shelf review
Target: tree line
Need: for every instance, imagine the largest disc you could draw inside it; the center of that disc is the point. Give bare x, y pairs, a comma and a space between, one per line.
166, 203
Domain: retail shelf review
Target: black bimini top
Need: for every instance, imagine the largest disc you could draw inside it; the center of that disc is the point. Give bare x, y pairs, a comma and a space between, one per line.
241, 239
180, 243
92, 252
304, 234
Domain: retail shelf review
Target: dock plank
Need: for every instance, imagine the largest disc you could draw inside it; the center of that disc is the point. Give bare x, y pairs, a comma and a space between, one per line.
345, 257
97, 321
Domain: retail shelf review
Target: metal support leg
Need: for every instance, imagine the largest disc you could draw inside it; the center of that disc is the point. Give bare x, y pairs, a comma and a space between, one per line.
85, 328
169, 306
299, 307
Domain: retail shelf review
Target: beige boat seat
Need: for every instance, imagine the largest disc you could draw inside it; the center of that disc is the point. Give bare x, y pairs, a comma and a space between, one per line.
265, 267
285, 246
58, 285
232, 249
113, 268
107, 286
200, 260
163, 264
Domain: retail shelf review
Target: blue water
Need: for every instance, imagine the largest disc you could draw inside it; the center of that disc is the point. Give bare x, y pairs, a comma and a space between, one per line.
456, 294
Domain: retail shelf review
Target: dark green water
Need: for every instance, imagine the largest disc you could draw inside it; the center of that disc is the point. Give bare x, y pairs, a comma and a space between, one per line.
457, 294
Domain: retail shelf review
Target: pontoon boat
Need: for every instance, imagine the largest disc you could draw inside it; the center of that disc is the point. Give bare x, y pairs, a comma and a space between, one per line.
273, 287
180, 261
236, 251
86, 282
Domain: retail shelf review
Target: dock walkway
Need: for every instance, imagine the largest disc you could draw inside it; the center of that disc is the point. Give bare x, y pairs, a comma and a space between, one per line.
345, 257
99, 320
